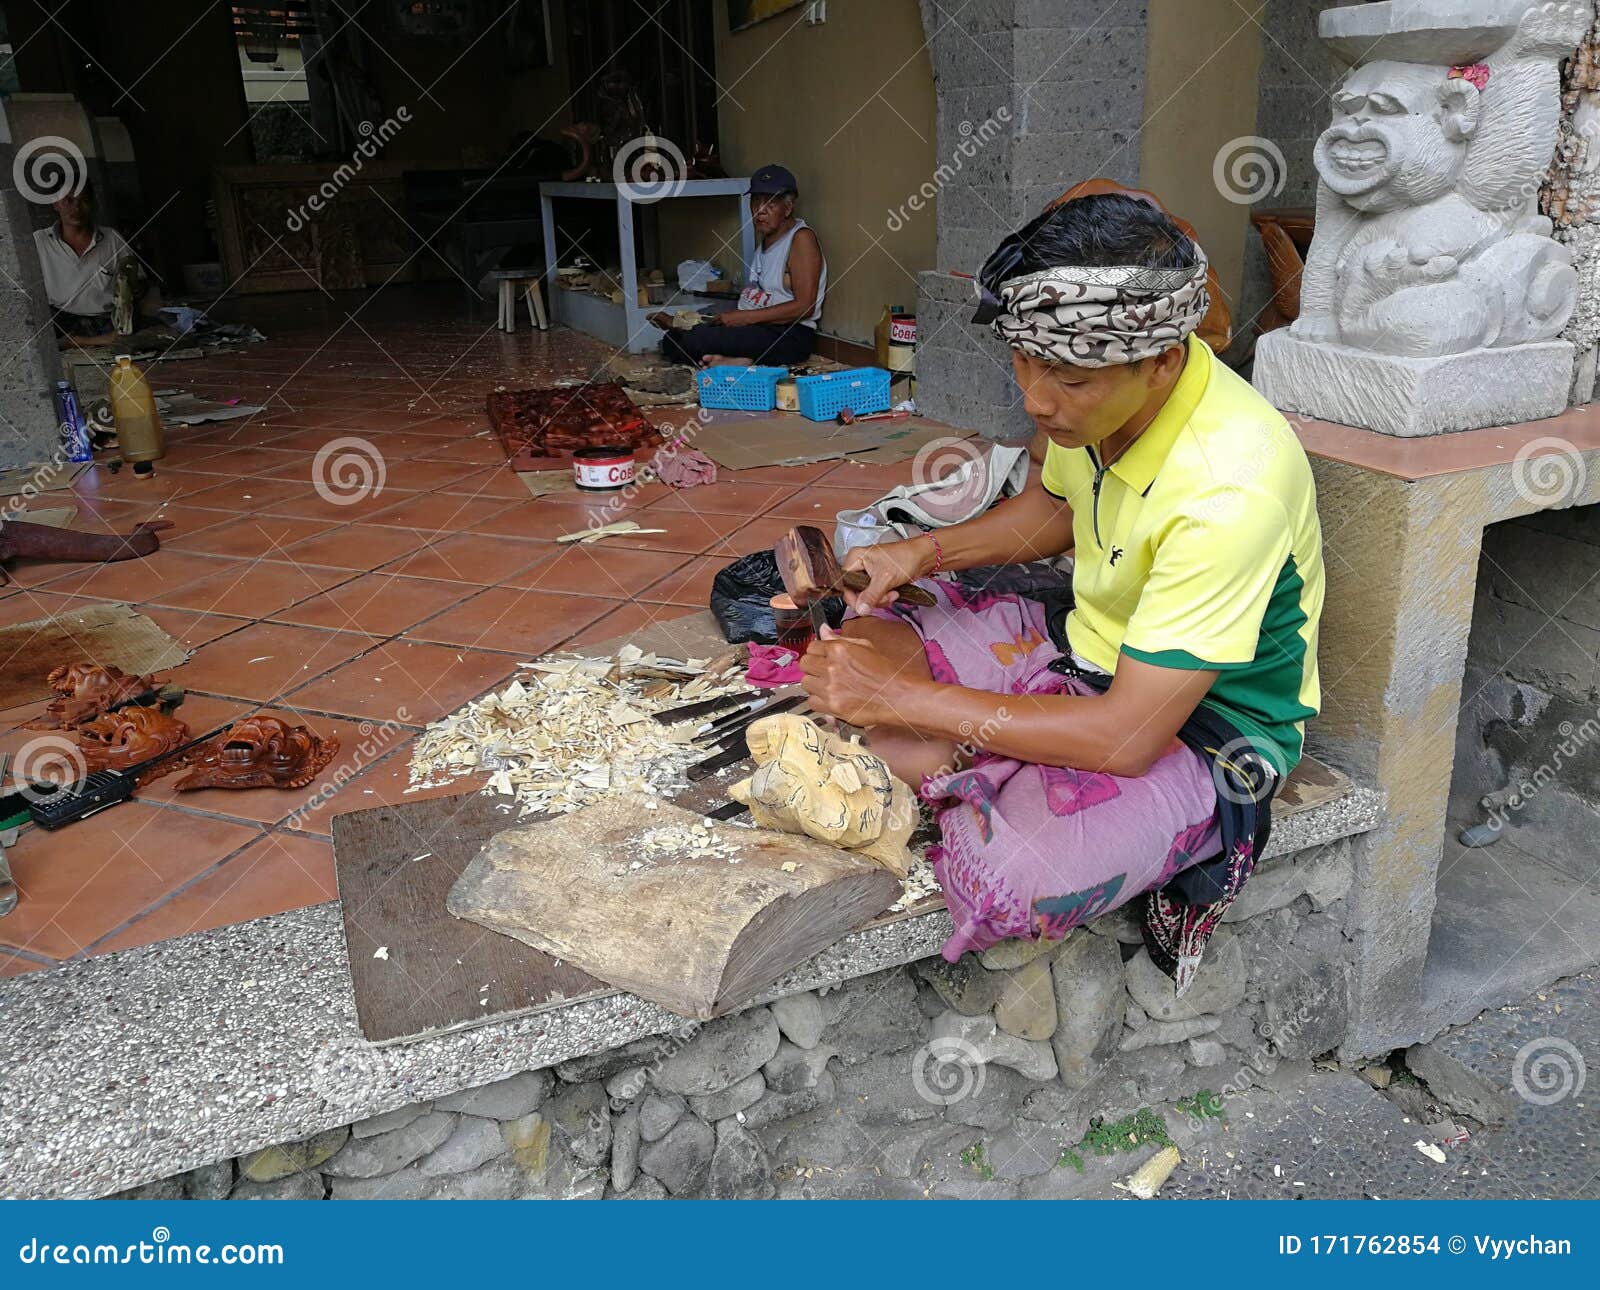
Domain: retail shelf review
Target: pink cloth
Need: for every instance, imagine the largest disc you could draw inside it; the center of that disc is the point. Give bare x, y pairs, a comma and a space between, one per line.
1033, 851
772, 666
684, 467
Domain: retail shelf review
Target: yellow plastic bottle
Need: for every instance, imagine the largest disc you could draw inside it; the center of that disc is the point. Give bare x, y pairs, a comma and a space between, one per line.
133, 409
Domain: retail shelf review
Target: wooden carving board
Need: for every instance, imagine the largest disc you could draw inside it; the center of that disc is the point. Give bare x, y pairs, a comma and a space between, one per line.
699, 936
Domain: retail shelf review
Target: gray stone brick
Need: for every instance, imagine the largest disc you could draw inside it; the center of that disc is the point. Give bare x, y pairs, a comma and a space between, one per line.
1528, 646
1062, 55
1044, 166
1548, 573
1079, 13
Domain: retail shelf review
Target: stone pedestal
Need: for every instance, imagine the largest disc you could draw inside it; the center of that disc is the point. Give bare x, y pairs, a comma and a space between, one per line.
1414, 396
1403, 526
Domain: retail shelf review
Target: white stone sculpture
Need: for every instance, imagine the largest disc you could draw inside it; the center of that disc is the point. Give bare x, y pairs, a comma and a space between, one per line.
1433, 294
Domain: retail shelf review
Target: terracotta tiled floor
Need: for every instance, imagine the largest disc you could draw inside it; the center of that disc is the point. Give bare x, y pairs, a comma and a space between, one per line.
364, 618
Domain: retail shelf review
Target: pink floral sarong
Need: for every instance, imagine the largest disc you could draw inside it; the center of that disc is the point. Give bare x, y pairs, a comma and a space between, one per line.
1033, 851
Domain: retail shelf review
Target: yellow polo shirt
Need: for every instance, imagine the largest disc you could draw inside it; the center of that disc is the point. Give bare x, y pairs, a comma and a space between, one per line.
1200, 548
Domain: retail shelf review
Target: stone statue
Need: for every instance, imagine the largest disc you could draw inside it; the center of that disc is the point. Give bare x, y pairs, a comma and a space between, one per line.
1433, 292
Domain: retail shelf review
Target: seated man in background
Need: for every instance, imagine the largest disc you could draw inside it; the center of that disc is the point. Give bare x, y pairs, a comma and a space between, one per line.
82, 264
776, 321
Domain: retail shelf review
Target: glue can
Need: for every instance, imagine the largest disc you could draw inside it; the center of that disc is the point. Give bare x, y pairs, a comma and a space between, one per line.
74, 429
604, 469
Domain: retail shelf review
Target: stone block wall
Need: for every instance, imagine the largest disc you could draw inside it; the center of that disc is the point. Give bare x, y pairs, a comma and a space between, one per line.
1065, 78
891, 1084
30, 365
1296, 82
1529, 733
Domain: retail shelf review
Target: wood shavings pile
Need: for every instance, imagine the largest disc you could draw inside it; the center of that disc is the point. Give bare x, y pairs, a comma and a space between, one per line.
916, 886
685, 841
574, 729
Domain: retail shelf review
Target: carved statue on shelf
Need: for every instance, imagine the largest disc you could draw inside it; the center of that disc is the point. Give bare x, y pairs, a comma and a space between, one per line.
259, 752
1421, 250
117, 740
85, 690
1433, 294
1285, 239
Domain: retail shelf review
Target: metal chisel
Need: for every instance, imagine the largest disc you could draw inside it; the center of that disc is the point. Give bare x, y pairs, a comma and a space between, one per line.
721, 730
703, 708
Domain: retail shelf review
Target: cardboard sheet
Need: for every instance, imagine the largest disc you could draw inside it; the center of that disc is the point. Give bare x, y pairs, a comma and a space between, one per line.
190, 410
788, 439
46, 477
57, 517
540, 482
104, 634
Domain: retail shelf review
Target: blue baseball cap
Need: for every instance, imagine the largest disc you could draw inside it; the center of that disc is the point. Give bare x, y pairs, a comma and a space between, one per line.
773, 179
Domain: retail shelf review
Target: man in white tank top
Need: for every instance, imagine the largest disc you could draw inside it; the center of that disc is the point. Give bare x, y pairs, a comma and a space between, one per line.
776, 320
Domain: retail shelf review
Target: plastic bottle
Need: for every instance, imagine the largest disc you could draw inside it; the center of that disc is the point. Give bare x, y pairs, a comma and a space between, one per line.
133, 408
74, 429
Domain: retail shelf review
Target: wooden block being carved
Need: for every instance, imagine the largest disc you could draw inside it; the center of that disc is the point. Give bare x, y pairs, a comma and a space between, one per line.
692, 914
812, 781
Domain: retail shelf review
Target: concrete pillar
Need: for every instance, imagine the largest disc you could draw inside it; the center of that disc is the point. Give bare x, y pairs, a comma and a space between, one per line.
1064, 82
29, 361
1401, 573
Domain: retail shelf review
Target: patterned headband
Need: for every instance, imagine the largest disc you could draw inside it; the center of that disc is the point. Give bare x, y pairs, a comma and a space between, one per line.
1102, 317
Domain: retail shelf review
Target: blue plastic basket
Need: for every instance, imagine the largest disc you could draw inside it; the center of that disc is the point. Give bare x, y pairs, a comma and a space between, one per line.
755, 389
863, 390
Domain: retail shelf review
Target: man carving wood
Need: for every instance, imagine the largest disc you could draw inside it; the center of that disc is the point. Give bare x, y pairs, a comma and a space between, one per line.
1078, 759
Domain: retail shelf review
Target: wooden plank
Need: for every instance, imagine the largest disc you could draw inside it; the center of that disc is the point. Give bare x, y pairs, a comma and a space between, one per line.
699, 928
441, 973
1310, 784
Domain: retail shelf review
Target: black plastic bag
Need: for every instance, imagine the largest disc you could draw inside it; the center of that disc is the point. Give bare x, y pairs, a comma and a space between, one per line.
741, 596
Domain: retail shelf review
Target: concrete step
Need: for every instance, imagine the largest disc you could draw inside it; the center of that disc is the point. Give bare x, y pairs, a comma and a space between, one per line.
1504, 927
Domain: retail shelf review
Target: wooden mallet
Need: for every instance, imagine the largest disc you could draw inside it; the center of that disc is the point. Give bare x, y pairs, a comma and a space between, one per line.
811, 572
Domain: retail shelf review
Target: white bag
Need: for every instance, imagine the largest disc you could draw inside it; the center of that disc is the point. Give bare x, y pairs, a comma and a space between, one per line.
697, 275
998, 470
